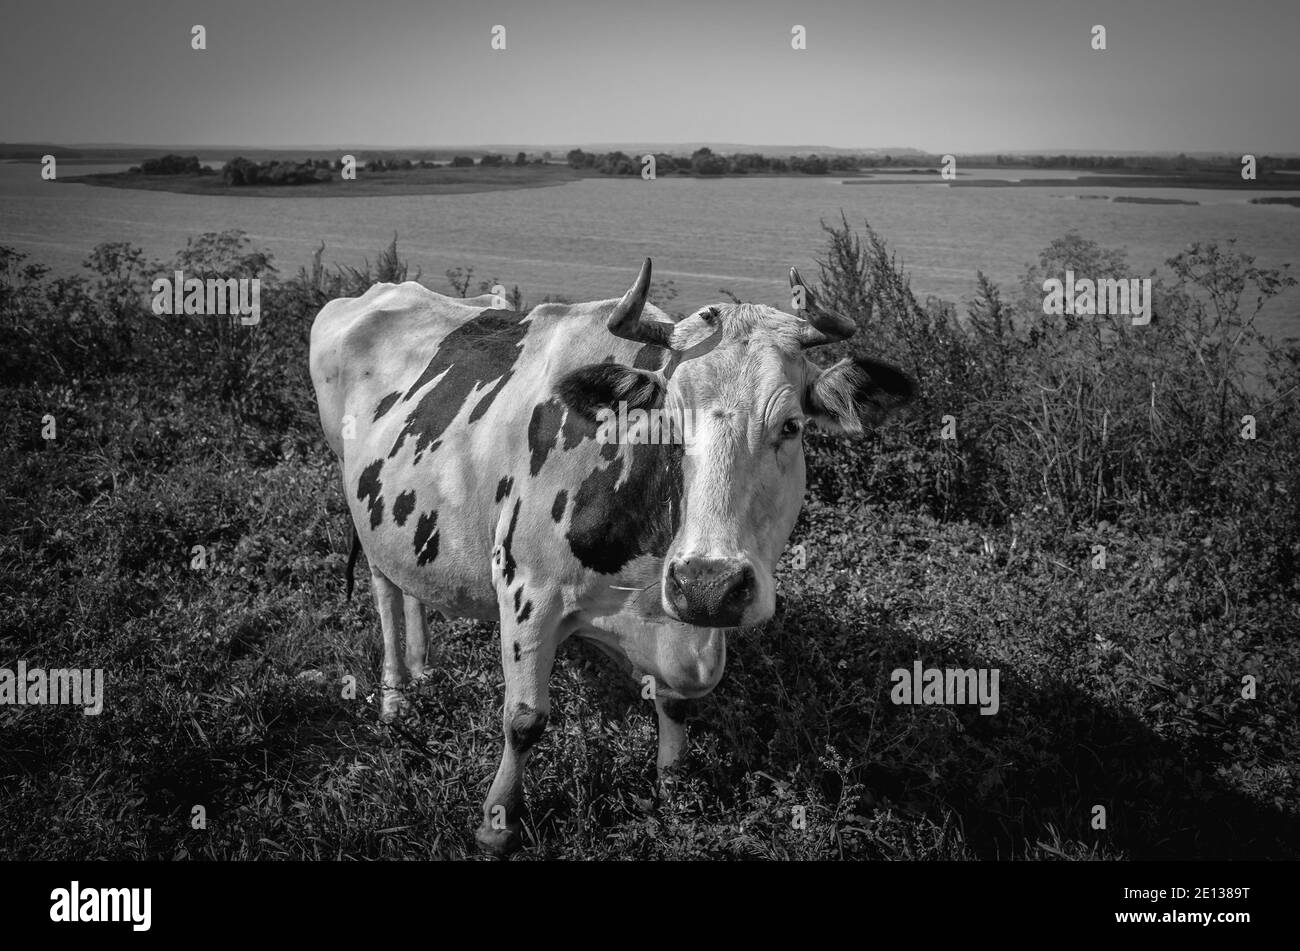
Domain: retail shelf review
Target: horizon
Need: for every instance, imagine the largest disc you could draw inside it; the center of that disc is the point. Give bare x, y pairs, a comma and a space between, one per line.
556, 148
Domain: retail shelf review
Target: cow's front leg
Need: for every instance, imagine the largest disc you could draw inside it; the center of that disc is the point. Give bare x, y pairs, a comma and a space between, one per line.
672, 737
529, 638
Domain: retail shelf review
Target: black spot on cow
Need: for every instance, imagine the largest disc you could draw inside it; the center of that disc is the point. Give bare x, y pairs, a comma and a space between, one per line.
426, 538
557, 507
482, 349
610, 526
403, 507
519, 593
525, 614
543, 428
386, 404
507, 557
504, 487
368, 489
526, 727
577, 428
517, 655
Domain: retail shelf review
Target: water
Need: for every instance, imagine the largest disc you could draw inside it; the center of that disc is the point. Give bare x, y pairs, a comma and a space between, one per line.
585, 240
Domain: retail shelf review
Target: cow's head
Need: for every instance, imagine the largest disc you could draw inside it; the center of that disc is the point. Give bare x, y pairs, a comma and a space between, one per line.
739, 392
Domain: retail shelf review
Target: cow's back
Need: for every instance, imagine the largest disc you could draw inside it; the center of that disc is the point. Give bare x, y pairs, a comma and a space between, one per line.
360, 345
433, 405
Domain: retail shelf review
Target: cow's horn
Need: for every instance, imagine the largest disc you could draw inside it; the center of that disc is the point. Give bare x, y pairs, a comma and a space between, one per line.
626, 320
823, 326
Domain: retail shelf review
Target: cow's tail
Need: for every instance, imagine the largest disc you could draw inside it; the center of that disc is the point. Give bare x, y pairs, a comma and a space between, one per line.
352, 559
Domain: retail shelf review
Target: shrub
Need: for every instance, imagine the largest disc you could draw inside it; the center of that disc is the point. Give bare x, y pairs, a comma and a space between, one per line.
1087, 417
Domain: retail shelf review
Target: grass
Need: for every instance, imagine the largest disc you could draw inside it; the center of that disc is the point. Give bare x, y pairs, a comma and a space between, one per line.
227, 686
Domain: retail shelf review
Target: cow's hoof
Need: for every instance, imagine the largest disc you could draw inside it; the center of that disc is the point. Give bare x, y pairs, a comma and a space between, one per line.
499, 842
667, 783
393, 705
419, 682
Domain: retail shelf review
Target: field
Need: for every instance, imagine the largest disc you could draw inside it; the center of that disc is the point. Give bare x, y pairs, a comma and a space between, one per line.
227, 676
420, 181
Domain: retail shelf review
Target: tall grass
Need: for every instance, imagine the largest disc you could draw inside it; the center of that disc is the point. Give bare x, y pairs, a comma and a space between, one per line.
1085, 418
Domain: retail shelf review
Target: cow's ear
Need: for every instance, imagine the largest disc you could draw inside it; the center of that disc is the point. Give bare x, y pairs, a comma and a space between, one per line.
858, 392
588, 389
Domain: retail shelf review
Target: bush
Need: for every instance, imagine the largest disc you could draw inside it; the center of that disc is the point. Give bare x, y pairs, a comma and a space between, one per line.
1085, 417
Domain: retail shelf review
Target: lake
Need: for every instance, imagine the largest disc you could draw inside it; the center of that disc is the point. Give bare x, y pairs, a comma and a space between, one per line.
585, 240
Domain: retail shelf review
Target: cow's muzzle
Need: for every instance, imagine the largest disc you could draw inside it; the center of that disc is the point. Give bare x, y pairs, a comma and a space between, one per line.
710, 592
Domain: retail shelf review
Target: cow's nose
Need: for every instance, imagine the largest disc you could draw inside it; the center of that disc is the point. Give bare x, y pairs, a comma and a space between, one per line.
710, 592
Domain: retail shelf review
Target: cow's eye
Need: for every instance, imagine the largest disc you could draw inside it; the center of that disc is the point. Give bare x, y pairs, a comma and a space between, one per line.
791, 428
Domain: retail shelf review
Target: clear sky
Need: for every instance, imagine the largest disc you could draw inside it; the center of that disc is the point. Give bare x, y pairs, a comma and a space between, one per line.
940, 75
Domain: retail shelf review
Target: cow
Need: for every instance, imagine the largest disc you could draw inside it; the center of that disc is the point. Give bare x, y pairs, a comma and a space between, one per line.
485, 480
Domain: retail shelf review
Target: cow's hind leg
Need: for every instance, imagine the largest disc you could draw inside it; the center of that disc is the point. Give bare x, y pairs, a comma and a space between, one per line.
388, 602
417, 631
529, 638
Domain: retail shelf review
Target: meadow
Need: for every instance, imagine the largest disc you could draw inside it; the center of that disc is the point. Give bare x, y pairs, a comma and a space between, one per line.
227, 684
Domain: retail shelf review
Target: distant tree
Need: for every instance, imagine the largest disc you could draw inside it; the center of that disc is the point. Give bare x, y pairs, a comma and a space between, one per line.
577, 158
461, 161
546, 156
521, 159
172, 165
704, 162
239, 171
615, 163
491, 159
812, 165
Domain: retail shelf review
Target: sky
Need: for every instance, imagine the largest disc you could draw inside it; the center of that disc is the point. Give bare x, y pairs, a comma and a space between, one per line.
952, 76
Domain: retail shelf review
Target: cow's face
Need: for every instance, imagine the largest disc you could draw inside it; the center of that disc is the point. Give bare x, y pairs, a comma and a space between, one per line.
738, 393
